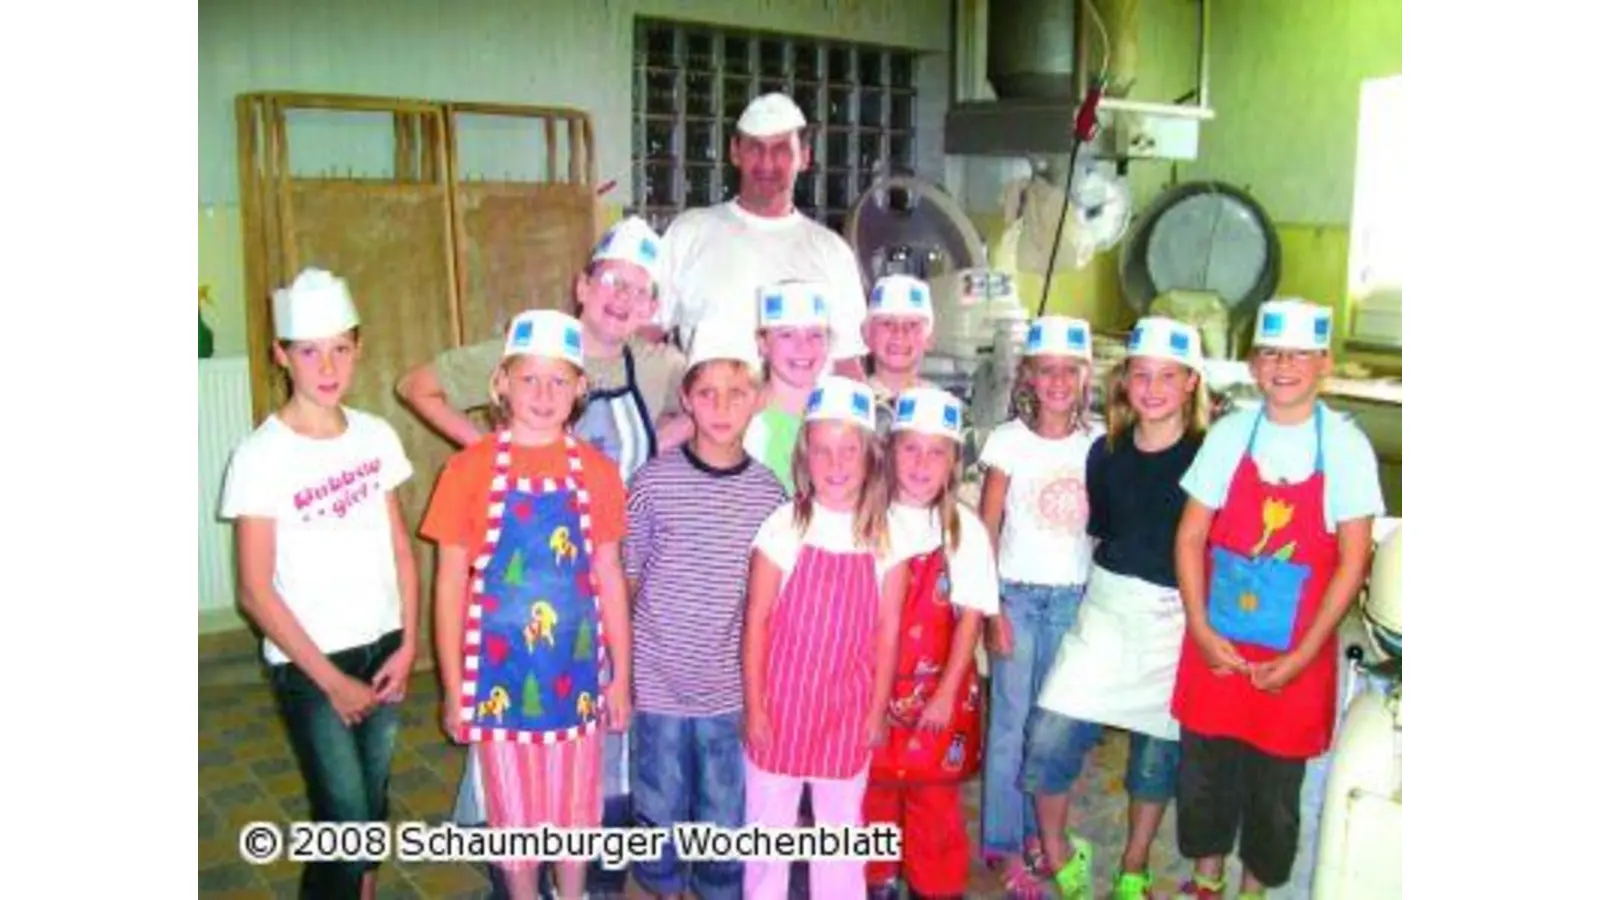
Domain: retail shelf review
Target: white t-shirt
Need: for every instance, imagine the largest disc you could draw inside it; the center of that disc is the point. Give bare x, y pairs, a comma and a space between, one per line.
334, 566
974, 584
780, 541
1289, 454
715, 259
1043, 538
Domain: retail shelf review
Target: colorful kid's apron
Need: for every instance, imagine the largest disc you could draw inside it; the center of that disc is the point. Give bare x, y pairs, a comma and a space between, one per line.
1270, 558
617, 423
927, 631
1118, 664
533, 648
820, 666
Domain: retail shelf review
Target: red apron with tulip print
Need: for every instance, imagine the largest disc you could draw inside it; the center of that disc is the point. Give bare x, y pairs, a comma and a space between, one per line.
1269, 560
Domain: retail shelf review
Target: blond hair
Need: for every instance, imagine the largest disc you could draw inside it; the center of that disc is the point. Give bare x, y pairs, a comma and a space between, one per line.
1025, 403
500, 413
946, 503
756, 374
1121, 417
870, 525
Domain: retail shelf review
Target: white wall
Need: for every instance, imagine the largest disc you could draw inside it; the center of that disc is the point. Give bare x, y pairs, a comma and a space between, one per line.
576, 53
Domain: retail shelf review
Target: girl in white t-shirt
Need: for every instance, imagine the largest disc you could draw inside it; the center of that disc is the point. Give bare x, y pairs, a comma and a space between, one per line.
934, 739
1036, 508
326, 570
819, 639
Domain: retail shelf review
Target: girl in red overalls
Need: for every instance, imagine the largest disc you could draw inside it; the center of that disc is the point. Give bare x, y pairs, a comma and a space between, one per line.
1265, 580
820, 634
531, 608
934, 733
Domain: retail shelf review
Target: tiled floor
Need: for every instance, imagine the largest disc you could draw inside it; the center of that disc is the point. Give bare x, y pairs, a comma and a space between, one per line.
247, 774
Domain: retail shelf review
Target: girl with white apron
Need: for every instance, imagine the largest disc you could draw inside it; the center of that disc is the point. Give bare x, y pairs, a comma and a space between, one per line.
1117, 665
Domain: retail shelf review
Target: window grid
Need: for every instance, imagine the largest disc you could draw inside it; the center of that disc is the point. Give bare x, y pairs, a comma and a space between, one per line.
692, 82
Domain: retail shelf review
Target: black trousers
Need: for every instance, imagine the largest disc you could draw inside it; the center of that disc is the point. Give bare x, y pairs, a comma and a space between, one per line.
1229, 790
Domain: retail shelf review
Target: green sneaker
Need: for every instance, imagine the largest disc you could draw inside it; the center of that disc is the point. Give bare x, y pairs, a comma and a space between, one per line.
1252, 895
1075, 879
1132, 886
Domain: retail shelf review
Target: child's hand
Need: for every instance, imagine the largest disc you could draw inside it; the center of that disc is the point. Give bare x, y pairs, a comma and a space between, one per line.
352, 698
873, 734
997, 636
390, 683
936, 714
757, 729
1274, 674
1219, 653
450, 716
619, 706
674, 429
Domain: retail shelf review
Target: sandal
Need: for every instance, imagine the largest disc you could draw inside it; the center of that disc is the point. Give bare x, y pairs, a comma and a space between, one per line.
1075, 879
1021, 881
1132, 886
1203, 888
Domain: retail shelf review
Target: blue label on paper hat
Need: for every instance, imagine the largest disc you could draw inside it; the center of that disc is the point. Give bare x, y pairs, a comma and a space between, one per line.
877, 295
573, 341
1271, 324
1320, 329
774, 305
647, 250
1035, 336
1137, 338
814, 402
1179, 342
1077, 338
523, 333
916, 297
905, 408
860, 404
952, 416
819, 305
606, 239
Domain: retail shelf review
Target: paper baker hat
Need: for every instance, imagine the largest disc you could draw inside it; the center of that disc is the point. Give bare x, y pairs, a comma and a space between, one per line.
1294, 324
719, 338
547, 333
1158, 337
928, 410
630, 240
793, 304
317, 305
900, 295
771, 114
1059, 336
840, 399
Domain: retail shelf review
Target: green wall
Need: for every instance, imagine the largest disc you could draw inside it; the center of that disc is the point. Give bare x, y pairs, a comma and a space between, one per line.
1286, 84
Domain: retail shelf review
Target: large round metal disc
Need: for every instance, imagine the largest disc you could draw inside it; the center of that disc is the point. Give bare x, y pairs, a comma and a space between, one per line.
1202, 236
907, 225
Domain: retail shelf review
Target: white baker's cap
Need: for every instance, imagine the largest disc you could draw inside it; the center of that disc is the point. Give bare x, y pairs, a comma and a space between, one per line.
1059, 336
1159, 337
840, 399
317, 305
771, 114
928, 410
547, 333
793, 304
1294, 324
900, 295
630, 240
719, 338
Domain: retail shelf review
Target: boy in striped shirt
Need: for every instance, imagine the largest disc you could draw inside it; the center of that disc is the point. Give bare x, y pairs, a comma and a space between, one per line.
692, 515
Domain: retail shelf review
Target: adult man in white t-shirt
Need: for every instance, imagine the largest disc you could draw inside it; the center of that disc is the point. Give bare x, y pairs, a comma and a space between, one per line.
716, 258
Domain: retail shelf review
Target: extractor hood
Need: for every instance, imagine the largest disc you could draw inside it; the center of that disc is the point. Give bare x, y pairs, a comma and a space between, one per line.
1035, 52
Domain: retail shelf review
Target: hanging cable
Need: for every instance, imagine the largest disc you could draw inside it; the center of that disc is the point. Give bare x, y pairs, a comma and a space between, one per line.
1084, 129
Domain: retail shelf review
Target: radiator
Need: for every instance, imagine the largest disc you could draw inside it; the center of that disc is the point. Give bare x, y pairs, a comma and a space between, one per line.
225, 420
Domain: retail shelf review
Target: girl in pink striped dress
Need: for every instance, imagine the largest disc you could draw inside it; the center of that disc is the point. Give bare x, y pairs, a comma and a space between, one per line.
820, 635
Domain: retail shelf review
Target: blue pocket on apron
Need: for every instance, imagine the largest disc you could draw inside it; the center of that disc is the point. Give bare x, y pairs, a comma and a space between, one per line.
1254, 601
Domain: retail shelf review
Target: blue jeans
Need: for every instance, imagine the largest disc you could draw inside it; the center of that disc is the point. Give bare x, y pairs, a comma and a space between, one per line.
688, 770
1039, 616
1058, 746
346, 769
